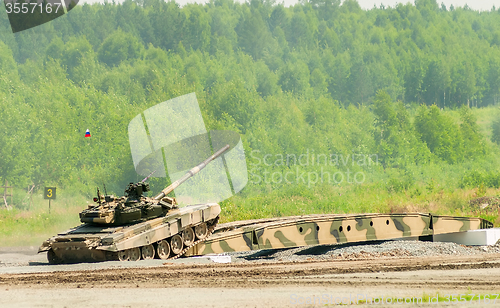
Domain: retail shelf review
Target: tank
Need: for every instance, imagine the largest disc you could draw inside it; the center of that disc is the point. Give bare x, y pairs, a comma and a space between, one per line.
134, 227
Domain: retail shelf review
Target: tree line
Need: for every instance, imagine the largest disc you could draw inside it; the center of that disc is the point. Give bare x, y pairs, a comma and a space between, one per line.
320, 74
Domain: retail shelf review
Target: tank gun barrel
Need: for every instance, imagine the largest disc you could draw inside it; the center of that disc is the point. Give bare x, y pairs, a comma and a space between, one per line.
190, 173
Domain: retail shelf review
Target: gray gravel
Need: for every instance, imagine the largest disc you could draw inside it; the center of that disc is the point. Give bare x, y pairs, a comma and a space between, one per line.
364, 251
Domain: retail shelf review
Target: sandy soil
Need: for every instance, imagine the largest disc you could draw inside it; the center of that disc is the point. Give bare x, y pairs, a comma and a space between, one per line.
307, 283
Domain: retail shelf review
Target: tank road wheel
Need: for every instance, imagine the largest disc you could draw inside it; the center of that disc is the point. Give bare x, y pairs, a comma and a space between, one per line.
176, 244
134, 254
188, 236
201, 231
163, 250
52, 258
148, 252
123, 255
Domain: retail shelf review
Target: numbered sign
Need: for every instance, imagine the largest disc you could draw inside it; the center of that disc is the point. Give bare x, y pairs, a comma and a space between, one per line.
49, 193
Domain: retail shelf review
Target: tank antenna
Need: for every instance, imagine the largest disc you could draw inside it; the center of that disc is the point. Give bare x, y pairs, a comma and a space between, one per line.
105, 192
98, 195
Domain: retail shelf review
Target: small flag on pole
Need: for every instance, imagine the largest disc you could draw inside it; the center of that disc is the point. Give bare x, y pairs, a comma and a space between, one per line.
87, 133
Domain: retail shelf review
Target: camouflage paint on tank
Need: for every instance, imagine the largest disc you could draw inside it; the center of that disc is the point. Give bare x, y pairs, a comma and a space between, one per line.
307, 230
158, 229
77, 252
90, 243
135, 221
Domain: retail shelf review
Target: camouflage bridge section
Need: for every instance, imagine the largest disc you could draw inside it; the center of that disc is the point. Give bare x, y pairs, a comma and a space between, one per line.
299, 231
450, 224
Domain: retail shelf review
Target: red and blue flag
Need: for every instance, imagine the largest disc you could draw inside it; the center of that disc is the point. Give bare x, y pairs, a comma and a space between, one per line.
87, 133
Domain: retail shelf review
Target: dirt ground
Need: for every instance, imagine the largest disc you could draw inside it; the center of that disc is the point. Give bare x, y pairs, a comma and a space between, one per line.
387, 281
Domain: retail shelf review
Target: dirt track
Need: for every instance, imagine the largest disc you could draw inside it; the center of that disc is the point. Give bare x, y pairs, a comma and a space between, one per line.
257, 283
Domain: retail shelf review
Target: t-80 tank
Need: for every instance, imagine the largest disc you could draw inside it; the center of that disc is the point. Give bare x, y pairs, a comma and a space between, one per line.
133, 226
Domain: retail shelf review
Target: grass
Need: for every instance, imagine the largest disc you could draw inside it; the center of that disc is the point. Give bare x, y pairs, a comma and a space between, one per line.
34, 225
433, 188
365, 199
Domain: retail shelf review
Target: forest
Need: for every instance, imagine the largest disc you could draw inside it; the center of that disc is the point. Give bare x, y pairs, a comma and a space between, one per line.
404, 98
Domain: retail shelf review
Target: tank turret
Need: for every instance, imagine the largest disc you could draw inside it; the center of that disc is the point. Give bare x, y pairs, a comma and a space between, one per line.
134, 206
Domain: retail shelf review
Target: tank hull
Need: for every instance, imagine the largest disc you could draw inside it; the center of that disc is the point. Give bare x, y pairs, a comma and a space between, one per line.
94, 243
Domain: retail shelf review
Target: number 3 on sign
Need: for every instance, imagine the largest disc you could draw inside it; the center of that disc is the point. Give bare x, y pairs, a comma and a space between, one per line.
50, 193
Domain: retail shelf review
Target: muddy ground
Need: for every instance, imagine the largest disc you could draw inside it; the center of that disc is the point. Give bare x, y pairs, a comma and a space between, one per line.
390, 273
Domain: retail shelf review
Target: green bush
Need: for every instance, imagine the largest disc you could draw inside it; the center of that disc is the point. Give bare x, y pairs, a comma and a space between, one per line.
397, 185
480, 179
495, 126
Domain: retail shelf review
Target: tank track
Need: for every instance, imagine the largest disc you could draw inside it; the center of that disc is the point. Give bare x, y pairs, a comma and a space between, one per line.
210, 231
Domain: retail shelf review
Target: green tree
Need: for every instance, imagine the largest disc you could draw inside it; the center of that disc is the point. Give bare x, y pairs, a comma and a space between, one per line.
473, 140
295, 77
8, 69
267, 80
254, 36
196, 30
397, 144
495, 126
300, 35
119, 47
440, 134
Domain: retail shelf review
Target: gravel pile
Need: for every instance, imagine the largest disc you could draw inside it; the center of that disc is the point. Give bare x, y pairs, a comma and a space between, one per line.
486, 202
387, 249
